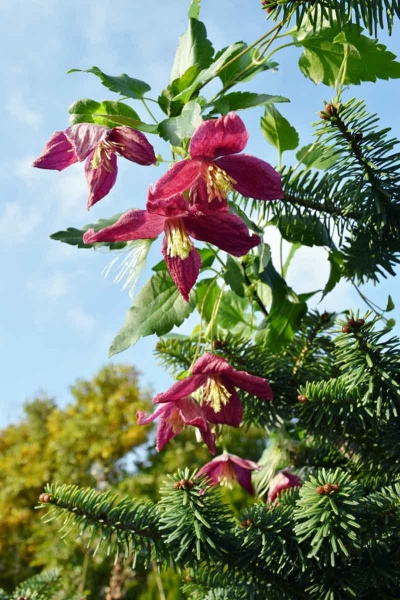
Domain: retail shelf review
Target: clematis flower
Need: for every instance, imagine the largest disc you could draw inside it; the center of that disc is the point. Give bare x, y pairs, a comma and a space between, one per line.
174, 416
227, 468
215, 159
99, 146
179, 220
282, 481
218, 380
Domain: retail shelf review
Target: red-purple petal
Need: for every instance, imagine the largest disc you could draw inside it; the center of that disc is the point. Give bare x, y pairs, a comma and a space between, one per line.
144, 419
85, 137
133, 225
230, 413
100, 179
57, 154
244, 479
165, 433
184, 272
180, 389
134, 145
191, 412
211, 364
282, 481
219, 137
209, 439
179, 178
257, 386
225, 230
170, 208
255, 178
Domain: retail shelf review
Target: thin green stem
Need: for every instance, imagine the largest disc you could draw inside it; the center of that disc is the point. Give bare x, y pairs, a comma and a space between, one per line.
377, 309
149, 111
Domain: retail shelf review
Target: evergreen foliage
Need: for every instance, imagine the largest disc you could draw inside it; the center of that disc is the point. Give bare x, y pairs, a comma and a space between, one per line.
320, 390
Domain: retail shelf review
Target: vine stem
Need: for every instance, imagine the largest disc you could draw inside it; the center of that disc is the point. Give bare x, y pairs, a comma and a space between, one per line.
149, 111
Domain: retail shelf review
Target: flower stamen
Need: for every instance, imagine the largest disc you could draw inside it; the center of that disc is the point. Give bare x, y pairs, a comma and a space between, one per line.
103, 153
226, 475
215, 393
178, 241
218, 182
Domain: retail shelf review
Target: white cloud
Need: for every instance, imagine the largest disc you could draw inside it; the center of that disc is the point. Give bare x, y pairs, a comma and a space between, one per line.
54, 287
23, 168
20, 111
17, 222
81, 320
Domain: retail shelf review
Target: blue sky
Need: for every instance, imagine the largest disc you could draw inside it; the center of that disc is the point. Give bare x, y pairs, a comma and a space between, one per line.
58, 314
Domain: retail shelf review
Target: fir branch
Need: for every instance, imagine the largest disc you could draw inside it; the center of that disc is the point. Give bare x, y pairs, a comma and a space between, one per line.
128, 525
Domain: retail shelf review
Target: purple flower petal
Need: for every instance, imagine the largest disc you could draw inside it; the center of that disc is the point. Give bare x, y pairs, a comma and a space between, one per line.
255, 178
184, 272
100, 179
211, 364
228, 466
85, 137
224, 230
179, 178
180, 389
57, 154
219, 137
171, 208
133, 225
133, 145
282, 481
230, 413
257, 386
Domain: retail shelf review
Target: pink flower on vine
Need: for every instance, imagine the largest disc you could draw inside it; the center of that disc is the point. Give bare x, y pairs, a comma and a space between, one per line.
180, 220
282, 481
176, 415
227, 468
99, 146
215, 159
218, 380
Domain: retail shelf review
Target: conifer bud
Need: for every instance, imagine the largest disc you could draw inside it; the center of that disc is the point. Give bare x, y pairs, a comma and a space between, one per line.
346, 329
45, 498
335, 487
327, 488
301, 398
320, 490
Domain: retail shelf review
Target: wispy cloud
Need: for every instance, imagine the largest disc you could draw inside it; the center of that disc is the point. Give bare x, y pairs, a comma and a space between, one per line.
53, 287
81, 320
19, 110
17, 222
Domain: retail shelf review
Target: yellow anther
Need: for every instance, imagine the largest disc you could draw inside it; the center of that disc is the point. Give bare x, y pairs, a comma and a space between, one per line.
227, 474
218, 182
178, 241
215, 393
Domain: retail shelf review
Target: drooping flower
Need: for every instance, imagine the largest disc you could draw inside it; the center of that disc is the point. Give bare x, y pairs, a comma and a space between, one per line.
174, 416
218, 380
179, 220
227, 468
282, 481
99, 146
214, 158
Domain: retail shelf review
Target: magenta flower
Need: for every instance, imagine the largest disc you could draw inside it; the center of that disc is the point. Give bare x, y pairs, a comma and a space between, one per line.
214, 159
227, 468
179, 220
283, 481
174, 416
99, 146
218, 380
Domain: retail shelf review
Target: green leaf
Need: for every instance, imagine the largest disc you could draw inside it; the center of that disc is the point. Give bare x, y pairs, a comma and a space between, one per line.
194, 49
390, 304
91, 111
335, 274
245, 67
278, 131
121, 84
166, 98
316, 156
175, 129
283, 322
234, 276
207, 292
250, 224
194, 9
130, 122
74, 237
324, 52
234, 315
243, 100
304, 229
293, 249
156, 310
